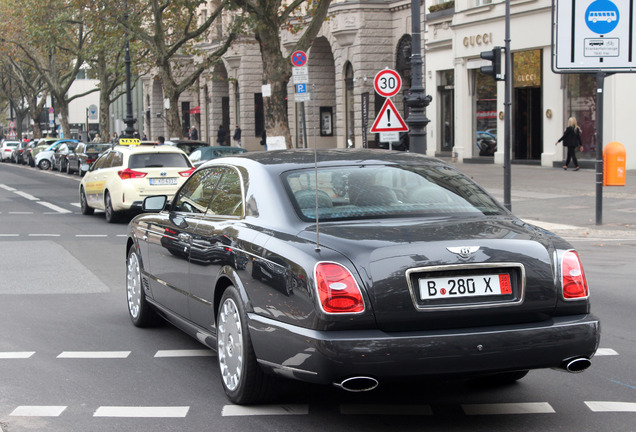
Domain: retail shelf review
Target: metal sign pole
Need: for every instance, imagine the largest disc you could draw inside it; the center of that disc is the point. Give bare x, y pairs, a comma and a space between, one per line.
507, 114
600, 79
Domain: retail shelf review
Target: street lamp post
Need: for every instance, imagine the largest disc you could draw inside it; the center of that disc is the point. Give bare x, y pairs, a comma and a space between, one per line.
129, 120
416, 100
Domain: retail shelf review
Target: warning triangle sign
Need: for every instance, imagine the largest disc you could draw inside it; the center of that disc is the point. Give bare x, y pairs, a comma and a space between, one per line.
389, 120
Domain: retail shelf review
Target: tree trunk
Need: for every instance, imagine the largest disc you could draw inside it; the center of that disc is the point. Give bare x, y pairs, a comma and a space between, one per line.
276, 72
62, 106
104, 120
172, 117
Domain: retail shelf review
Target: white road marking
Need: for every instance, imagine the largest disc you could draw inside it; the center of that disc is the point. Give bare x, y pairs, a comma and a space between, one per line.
91, 235
26, 195
238, 410
9, 235
16, 354
54, 207
185, 353
386, 410
156, 411
44, 235
75, 204
605, 352
9, 188
94, 354
508, 408
37, 411
20, 213
600, 406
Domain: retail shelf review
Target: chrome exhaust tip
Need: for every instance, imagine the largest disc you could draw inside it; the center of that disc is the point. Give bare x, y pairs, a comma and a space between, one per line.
576, 365
358, 384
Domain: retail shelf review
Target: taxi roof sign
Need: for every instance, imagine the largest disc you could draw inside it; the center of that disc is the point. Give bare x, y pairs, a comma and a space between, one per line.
129, 141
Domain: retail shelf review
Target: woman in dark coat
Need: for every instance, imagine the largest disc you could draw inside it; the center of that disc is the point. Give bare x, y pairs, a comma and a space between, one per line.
572, 140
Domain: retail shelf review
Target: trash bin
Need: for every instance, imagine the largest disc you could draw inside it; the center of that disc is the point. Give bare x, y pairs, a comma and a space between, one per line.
614, 164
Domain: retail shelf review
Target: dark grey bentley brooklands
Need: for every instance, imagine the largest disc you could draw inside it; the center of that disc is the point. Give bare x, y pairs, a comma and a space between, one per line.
366, 266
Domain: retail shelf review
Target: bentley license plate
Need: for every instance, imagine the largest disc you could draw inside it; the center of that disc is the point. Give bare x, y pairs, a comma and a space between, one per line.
464, 286
163, 181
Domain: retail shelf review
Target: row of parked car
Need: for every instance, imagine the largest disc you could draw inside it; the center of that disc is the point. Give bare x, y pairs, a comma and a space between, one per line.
116, 178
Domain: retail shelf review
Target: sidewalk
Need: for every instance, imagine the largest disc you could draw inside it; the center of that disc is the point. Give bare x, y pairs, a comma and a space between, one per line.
562, 201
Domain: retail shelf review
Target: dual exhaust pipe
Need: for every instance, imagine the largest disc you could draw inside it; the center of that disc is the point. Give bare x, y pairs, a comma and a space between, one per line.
359, 384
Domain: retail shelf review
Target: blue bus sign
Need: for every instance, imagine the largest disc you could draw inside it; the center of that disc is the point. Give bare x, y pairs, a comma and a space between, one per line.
593, 36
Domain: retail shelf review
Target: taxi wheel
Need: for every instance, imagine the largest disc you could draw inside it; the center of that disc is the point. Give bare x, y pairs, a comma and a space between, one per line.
111, 215
86, 210
140, 312
243, 380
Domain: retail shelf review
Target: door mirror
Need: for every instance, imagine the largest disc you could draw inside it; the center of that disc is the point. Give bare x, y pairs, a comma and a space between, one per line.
154, 203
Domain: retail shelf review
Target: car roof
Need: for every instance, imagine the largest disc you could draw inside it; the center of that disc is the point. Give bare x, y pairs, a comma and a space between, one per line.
130, 149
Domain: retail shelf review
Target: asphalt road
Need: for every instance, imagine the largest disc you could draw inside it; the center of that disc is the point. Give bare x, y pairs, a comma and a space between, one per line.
70, 360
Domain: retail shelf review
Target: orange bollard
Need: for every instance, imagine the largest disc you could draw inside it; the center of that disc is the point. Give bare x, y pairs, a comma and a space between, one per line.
614, 164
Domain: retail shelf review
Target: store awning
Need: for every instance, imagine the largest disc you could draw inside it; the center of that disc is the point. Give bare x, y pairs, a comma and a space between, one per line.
196, 110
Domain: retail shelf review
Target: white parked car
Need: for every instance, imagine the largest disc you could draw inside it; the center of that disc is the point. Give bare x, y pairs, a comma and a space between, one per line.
120, 179
7, 149
44, 159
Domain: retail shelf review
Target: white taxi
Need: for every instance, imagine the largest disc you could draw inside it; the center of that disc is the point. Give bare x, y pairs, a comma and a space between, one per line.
120, 179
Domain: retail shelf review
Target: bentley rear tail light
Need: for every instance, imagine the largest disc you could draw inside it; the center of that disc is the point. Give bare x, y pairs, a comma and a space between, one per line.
337, 289
572, 277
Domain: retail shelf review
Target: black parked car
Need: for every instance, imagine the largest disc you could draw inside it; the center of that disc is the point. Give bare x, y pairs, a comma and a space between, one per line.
59, 160
84, 155
412, 271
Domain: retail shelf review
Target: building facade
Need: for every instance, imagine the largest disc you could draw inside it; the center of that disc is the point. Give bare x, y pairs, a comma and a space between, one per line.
362, 37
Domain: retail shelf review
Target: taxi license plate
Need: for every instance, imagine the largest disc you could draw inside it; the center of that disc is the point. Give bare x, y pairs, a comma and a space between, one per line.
465, 286
163, 181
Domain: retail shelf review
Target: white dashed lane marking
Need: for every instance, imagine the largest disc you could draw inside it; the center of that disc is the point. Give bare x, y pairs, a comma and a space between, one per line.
16, 355
154, 411
605, 352
600, 406
54, 207
38, 411
508, 408
264, 410
94, 354
185, 353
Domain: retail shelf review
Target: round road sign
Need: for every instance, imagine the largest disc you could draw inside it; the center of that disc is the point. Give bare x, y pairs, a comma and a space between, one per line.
299, 58
12, 124
387, 83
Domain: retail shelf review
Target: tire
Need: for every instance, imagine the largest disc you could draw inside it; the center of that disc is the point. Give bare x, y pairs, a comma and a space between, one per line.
243, 380
140, 311
111, 215
44, 164
86, 210
68, 168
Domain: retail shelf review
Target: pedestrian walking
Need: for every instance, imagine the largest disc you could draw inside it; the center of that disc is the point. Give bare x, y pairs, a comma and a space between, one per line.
220, 136
571, 140
194, 134
237, 136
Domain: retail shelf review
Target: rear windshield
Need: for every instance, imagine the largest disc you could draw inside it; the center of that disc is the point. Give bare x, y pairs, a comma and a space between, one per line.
360, 192
97, 147
10, 144
158, 160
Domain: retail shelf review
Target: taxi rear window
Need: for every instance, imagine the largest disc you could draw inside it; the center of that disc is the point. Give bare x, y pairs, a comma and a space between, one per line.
158, 160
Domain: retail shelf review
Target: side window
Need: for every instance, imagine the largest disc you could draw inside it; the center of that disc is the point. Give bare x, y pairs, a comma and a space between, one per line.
195, 194
117, 160
227, 199
101, 162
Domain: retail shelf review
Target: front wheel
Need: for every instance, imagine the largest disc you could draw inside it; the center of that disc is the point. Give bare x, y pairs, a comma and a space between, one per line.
44, 164
244, 381
140, 311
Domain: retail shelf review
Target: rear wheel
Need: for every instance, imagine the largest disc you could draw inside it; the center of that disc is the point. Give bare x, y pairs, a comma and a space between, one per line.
86, 210
68, 168
243, 380
111, 215
140, 311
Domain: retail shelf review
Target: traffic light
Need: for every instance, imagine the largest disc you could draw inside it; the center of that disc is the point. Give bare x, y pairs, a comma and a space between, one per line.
494, 69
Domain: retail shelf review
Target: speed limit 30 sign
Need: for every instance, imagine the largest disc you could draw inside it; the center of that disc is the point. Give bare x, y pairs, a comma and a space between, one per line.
387, 83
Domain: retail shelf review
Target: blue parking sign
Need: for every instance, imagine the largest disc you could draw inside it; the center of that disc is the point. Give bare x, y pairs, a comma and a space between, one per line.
301, 88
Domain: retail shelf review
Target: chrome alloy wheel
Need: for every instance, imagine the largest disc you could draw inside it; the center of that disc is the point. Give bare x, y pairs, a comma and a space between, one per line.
230, 344
133, 285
